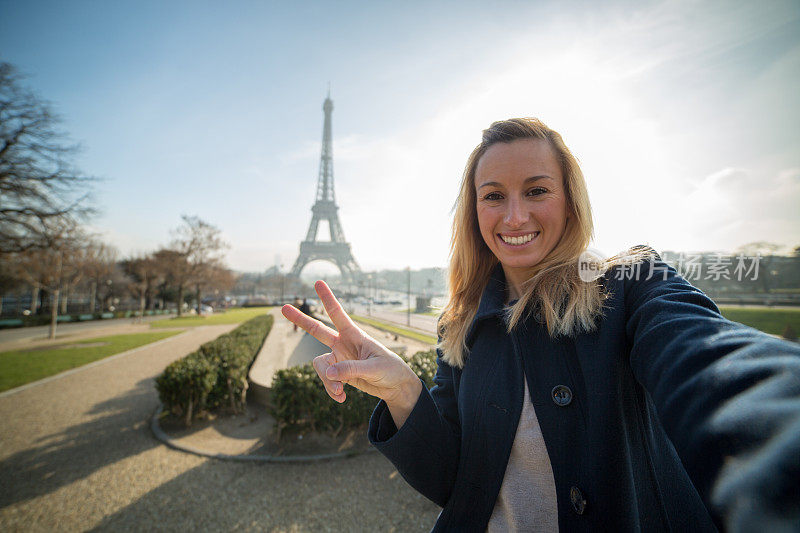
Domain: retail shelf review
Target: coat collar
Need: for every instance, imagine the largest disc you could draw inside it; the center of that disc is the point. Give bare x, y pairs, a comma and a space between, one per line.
492, 300
494, 294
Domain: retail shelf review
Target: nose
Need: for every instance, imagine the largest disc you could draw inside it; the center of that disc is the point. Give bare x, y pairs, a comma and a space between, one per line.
516, 214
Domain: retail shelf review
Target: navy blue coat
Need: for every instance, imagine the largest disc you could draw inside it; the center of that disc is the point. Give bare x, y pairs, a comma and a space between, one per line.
668, 417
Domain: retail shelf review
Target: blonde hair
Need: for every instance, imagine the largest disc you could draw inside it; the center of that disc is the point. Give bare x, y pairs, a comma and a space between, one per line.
553, 291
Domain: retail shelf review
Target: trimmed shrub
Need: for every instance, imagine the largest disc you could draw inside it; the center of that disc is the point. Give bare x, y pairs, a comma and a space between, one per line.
36, 320
185, 384
214, 376
232, 357
298, 398
424, 365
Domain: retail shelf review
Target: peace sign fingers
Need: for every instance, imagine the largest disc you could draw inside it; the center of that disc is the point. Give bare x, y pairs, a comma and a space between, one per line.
314, 327
332, 306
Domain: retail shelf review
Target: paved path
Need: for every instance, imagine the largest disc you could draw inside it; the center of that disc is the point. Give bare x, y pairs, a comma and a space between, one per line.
76, 453
286, 347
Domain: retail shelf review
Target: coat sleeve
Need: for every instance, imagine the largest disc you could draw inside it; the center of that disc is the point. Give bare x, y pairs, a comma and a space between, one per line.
426, 448
727, 395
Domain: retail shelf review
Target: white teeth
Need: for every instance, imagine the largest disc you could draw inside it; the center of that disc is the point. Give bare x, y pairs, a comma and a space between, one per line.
518, 240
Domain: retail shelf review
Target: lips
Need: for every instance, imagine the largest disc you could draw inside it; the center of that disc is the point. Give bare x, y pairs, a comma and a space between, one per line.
518, 240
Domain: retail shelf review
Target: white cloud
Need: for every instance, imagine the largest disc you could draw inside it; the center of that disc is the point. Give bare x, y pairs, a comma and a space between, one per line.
595, 84
636, 94
733, 207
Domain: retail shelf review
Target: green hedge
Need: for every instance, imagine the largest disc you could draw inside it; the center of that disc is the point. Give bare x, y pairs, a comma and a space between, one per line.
215, 375
298, 398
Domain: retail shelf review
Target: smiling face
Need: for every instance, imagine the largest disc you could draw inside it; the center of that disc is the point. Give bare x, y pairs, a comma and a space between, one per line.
521, 204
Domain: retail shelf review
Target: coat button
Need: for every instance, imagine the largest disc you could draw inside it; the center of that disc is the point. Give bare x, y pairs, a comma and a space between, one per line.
577, 499
562, 396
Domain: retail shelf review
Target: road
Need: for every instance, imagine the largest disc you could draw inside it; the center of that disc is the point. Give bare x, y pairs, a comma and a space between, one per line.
425, 323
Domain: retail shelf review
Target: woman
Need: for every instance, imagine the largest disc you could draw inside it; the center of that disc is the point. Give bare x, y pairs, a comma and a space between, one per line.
623, 403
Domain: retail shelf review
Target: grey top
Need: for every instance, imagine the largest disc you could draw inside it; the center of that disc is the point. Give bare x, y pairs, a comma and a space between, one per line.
527, 499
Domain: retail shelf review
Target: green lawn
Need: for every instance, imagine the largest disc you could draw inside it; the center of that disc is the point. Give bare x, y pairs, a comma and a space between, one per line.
18, 367
769, 320
428, 339
232, 316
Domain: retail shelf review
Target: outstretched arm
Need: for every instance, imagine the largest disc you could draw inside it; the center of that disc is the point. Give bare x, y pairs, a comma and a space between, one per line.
727, 395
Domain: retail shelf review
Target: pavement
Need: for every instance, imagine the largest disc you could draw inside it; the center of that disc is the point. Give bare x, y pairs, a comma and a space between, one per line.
286, 347
77, 453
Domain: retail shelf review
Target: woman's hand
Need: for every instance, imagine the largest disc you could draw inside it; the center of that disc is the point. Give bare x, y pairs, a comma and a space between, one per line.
357, 359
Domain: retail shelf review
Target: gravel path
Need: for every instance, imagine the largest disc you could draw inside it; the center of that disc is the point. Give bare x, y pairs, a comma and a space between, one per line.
76, 453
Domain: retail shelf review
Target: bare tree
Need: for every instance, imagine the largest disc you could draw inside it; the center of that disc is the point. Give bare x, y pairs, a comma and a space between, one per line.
173, 268
55, 264
9, 280
142, 275
99, 267
202, 247
38, 183
213, 277
71, 275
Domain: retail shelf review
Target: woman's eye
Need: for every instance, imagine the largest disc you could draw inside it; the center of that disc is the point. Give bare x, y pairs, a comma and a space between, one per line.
493, 196
536, 191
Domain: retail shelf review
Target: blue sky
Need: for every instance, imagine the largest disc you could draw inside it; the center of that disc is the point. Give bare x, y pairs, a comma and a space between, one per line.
684, 115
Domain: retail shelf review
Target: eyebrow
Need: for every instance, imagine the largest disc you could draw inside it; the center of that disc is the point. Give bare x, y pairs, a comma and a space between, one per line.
527, 180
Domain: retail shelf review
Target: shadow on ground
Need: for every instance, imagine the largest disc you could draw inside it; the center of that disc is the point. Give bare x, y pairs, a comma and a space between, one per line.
119, 431
364, 493
306, 350
254, 432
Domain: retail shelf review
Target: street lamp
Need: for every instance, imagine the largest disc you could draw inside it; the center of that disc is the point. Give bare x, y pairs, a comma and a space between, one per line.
369, 295
408, 313
283, 282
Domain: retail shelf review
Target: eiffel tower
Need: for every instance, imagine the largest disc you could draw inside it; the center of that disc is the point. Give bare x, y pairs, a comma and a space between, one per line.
337, 249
